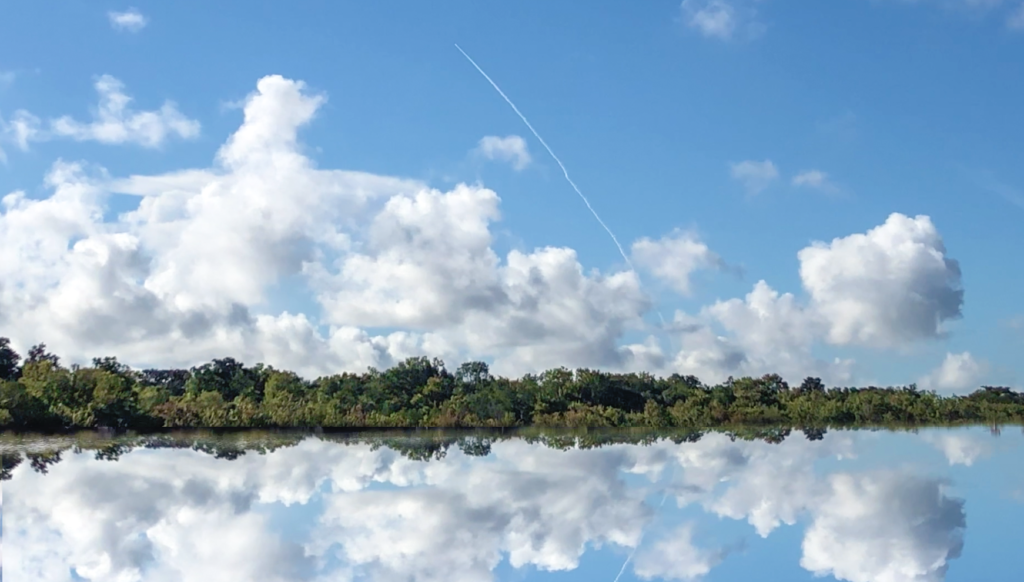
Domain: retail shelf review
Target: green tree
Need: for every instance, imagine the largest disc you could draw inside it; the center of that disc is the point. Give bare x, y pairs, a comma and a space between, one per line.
9, 359
283, 398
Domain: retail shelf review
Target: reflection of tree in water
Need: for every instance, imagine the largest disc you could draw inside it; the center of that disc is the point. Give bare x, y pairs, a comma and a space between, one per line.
415, 449
112, 452
41, 462
475, 447
814, 434
232, 445
8, 461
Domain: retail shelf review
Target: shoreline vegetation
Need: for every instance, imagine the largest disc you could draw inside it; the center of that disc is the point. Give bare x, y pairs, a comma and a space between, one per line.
40, 394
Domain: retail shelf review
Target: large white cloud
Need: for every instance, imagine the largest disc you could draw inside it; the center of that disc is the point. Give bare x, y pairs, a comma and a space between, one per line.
186, 276
890, 286
885, 287
768, 332
192, 264
173, 282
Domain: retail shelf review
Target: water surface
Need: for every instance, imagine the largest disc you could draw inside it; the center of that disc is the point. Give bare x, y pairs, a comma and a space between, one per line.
863, 506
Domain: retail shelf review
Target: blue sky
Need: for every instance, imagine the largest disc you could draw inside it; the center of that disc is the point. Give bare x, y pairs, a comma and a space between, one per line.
940, 505
666, 116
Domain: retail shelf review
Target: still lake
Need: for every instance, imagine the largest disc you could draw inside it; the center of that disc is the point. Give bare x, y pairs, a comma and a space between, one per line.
863, 506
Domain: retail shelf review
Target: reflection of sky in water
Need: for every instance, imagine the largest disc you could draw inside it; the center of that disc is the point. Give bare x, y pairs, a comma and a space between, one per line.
858, 506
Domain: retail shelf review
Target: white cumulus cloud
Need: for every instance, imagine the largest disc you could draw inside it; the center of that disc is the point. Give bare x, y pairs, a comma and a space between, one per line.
674, 258
958, 373
885, 287
187, 275
768, 332
890, 286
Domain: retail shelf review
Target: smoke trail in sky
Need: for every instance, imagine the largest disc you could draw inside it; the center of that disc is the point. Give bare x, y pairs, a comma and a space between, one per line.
560, 165
557, 161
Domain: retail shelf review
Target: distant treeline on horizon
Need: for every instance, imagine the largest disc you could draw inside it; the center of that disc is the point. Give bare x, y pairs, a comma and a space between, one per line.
41, 394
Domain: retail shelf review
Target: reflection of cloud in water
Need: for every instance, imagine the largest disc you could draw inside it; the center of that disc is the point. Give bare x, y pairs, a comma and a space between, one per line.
960, 447
675, 557
767, 484
885, 527
178, 515
540, 506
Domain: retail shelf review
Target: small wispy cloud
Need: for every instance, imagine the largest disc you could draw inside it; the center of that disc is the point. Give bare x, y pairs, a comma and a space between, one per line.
511, 149
720, 19
674, 258
713, 18
755, 176
114, 122
130, 20
1016, 19
843, 127
7, 78
21, 129
988, 181
1016, 322
816, 180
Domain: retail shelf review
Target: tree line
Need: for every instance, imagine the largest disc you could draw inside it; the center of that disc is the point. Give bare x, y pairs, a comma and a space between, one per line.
38, 393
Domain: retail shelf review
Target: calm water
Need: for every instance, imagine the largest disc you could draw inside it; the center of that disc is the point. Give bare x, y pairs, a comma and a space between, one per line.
859, 506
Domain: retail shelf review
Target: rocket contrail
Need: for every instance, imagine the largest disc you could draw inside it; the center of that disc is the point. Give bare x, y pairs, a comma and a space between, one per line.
557, 161
565, 172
